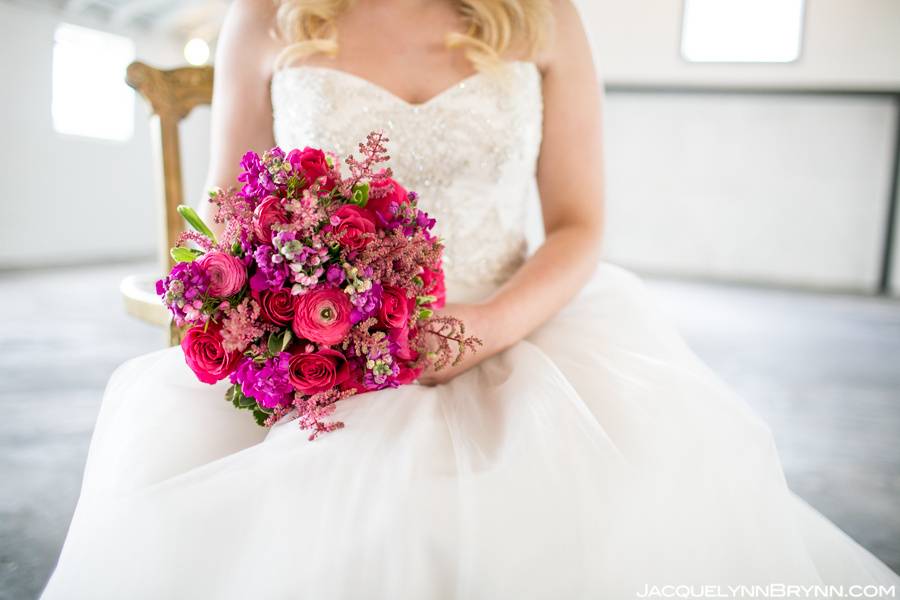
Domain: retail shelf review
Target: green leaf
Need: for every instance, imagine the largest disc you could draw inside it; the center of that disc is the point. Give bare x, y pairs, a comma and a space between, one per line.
194, 220
182, 254
422, 300
260, 416
360, 194
424, 313
234, 395
278, 342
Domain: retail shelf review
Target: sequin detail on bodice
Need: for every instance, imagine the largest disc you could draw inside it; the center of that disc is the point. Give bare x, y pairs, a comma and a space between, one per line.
470, 152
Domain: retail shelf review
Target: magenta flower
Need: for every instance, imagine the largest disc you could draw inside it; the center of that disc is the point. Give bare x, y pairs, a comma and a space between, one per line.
267, 383
183, 292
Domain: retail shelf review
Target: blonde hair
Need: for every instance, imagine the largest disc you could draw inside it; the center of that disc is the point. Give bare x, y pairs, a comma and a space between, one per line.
494, 28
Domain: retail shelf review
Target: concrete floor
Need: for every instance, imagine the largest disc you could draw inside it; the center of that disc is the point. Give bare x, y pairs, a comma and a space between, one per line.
821, 369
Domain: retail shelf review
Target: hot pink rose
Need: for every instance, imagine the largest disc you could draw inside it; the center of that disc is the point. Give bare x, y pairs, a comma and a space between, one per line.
309, 162
205, 354
384, 194
226, 273
268, 212
355, 380
434, 286
351, 224
408, 374
314, 372
322, 315
276, 306
401, 338
395, 307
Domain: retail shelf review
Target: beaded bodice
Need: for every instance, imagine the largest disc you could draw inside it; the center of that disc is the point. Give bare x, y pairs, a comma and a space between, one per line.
470, 152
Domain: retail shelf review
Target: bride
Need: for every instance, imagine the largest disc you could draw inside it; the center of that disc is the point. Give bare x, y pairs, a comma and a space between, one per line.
583, 452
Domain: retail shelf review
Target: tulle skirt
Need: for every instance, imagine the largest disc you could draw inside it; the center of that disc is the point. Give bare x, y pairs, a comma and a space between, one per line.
598, 458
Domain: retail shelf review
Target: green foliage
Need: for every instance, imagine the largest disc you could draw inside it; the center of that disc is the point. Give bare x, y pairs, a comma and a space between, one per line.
239, 400
278, 342
260, 415
194, 220
360, 194
182, 254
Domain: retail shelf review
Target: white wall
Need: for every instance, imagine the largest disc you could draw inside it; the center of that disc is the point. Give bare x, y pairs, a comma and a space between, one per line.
775, 189
847, 43
71, 199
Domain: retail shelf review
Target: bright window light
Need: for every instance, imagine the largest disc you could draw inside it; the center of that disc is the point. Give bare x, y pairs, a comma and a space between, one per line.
90, 97
196, 52
742, 30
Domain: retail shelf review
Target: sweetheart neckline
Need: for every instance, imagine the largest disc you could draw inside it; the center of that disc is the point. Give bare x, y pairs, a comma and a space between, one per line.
461, 84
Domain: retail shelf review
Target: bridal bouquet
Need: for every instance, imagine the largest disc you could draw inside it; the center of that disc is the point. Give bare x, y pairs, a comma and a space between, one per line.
321, 286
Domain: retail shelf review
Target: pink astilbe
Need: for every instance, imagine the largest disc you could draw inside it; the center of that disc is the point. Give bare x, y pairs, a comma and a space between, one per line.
241, 326
396, 259
313, 410
442, 341
374, 152
202, 242
235, 211
306, 212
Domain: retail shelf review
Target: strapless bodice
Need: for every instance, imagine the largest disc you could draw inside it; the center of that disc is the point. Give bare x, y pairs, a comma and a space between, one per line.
470, 152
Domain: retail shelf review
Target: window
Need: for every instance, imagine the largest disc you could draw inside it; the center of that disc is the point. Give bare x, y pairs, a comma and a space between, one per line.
742, 30
90, 97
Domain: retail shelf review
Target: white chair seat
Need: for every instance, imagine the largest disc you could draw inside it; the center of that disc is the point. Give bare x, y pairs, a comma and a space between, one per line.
141, 301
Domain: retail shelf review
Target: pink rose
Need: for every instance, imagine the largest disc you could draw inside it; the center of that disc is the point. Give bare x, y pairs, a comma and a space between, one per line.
351, 224
226, 273
385, 196
309, 162
276, 306
314, 372
434, 286
268, 212
322, 315
395, 307
205, 354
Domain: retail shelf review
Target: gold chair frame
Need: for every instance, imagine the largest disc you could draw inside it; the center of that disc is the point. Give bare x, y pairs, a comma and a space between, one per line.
171, 95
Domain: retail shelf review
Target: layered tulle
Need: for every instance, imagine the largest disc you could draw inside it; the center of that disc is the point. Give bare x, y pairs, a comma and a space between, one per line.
593, 459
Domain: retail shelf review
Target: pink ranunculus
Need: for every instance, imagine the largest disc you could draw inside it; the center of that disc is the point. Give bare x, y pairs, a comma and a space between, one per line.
268, 212
351, 224
205, 354
395, 307
309, 162
322, 315
314, 372
227, 275
434, 286
386, 196
276, 306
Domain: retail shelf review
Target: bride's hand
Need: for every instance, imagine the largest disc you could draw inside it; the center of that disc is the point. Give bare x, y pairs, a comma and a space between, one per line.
477, 321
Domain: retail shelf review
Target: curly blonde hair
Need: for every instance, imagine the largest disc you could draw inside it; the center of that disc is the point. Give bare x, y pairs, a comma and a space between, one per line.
493, 28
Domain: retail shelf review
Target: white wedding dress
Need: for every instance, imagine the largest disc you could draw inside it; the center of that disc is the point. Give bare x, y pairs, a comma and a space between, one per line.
593, 459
